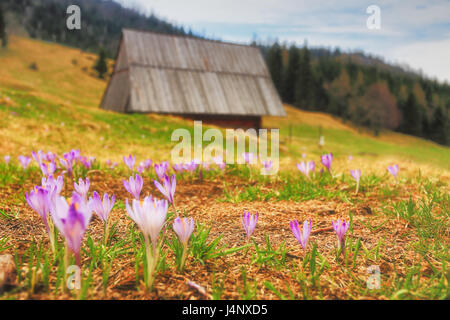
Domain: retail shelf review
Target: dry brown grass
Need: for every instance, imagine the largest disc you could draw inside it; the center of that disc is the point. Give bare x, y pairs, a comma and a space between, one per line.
57, 78
199, 199
297, 116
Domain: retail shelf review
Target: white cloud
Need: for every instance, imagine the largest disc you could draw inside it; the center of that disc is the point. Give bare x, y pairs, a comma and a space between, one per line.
433, 57
402, 14
414, 13
405, 25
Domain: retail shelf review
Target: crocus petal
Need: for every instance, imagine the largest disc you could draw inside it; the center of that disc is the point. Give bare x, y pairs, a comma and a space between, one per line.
249, 222
134, 186
168, 187
39, 201
82, 188
71, 221
149, 215
302, 236
183, 227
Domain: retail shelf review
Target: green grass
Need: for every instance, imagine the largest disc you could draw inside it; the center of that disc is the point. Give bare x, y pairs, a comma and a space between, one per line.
344, 143
289, 186
141, 132
203, 249
268, 256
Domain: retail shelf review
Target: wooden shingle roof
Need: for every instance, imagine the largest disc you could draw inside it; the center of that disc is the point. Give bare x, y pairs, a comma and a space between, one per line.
182, 75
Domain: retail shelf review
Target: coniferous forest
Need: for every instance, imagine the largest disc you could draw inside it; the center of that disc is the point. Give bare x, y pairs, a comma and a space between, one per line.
361, 89
102, 22
353, 86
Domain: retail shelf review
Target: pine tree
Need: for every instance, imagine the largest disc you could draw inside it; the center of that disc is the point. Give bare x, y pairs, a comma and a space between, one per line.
412, 116
100, 65
440, 126
321, 97
3, 35
329, 68
305, 83
275, 65
291, 75
352, 70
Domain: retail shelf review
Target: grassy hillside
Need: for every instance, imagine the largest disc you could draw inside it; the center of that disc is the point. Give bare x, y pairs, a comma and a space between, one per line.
49, 99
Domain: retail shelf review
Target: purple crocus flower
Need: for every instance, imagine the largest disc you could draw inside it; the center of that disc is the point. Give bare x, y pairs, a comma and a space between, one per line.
340, 227
38, 156
129, 161
183, 227
53, 186
249, 223
190, 166
178, 168
149, 215
327, 159
48, 170
24, 161
248, 157
50, 156
69, 156
72, 221
82, 188
87, 163
356, 174
147, 163
7, 159
67, 164
301, 236
393, 170
134, 186
140, 169
306, 167
102, 208
72, 155
38, 200
160, 169
219, 162
76, 153
267, 164
168, 187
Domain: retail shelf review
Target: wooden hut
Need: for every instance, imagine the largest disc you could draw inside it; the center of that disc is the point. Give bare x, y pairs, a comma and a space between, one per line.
222, 83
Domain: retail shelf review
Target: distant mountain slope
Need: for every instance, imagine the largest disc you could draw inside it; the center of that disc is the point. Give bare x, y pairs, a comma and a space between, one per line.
362, 89
102, 22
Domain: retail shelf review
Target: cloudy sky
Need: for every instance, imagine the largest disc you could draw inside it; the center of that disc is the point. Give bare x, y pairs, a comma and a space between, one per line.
413, 32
